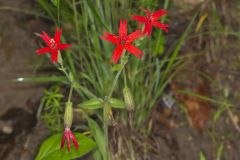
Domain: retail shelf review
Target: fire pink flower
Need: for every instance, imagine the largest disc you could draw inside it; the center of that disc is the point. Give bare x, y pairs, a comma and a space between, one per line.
53, 45
68, 136
151, 20
123, 41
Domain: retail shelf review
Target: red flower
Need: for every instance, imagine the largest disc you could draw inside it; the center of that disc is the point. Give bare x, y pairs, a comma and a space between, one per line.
151, 20
123, 41
53, 45
68, 135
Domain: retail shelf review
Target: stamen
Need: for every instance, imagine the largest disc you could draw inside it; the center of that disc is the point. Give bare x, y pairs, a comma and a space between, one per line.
53, 44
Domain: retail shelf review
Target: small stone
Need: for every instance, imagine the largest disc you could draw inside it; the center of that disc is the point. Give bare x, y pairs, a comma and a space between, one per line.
7, 129
190, 138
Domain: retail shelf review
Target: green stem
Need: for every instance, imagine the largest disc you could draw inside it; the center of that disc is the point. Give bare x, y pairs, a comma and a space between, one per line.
71, 79
105, 129
125, 77
70, 93
58, 10
114, 83
105, 124
117, 75
76, 20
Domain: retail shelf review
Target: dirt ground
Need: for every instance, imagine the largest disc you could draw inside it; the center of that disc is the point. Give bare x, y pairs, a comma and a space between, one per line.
19, 137
212, 70
175, 136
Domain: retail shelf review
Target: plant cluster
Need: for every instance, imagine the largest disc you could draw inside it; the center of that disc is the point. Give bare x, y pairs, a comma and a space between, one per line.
96, 84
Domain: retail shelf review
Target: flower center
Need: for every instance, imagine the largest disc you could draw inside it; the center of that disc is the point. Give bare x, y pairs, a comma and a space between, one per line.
149, 19
53, 44
123, 42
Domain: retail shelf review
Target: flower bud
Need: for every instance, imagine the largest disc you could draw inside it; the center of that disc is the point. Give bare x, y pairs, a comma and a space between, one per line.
68, 115
128, 99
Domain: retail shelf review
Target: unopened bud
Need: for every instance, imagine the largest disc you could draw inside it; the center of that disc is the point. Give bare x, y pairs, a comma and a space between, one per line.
68, 115
128, 99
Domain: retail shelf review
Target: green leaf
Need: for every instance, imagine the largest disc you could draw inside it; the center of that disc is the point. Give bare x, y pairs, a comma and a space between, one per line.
202, 156
50, 148
55, 2
98, 136
97, 155
117, 103
117, 67
161, 45
95, 103
219, 152
46, 5
96, 14
41, 79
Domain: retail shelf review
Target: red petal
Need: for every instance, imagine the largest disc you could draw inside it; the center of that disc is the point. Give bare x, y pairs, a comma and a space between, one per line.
139, 23
158, 14
63, 46
147, 12
68, 141
117, 53
54, 56
74, 140
161, 25
43, 50
133, 36
134, 50
46, 38
123, 28
139, 18
110, 37
63, 141
57, 35
148, 29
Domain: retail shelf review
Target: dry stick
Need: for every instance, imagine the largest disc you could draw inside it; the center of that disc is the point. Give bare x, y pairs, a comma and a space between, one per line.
232, 117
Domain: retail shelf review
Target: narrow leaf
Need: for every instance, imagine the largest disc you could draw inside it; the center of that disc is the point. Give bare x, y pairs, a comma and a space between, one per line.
117, 103
95, 103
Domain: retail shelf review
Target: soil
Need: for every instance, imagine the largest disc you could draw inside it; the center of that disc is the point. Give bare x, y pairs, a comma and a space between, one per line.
212, 71
20, 133
175, 135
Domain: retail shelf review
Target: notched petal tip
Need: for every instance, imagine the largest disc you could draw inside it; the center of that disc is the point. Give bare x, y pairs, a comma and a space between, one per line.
104, 36
114, 61
64, 46
134, 50
43, 50
67, 137
140, 19
62, 142
147, 12
74, 140
110, 37
123, 28
57, 36
159, 13
161, 26
162, 11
